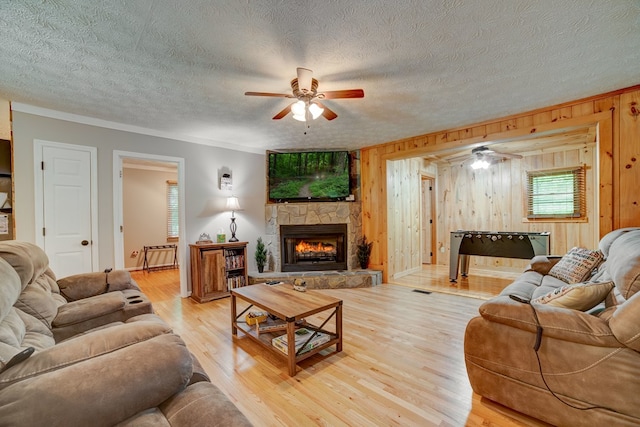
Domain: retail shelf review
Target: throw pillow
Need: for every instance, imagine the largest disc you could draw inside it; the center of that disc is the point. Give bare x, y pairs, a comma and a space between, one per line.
580, 296
576, 265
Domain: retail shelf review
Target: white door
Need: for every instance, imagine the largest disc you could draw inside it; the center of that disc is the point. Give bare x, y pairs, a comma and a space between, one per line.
67, 227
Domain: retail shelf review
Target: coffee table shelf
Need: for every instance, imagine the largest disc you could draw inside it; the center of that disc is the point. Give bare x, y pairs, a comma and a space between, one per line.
292, 307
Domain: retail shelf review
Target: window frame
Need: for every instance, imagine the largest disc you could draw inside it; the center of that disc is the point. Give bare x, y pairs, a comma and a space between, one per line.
579, 195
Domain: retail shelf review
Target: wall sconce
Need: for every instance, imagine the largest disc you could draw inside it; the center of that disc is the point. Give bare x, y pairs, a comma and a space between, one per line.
233, 205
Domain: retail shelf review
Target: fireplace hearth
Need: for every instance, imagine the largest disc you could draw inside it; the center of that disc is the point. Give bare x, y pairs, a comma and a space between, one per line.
313, 247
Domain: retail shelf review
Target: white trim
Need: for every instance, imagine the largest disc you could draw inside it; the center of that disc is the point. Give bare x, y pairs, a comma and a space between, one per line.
118, 241
149, 168
76, 118
38, 146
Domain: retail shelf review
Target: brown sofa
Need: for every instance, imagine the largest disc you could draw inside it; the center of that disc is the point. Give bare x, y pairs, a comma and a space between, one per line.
88, 350
589, 359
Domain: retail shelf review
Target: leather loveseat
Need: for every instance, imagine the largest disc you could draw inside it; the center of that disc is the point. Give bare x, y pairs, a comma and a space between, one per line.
586, 370
88, 350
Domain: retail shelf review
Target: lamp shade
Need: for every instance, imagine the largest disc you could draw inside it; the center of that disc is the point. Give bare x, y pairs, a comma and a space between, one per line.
299, 110
315, 110
233, 204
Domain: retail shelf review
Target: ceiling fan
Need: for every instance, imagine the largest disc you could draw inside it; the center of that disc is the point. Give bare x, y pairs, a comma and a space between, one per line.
308, 107
482, 157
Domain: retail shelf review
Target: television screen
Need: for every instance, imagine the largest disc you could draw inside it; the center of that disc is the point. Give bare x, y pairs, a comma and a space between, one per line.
316, 175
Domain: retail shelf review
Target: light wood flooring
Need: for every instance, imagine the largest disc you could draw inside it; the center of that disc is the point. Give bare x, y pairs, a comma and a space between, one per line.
402, 362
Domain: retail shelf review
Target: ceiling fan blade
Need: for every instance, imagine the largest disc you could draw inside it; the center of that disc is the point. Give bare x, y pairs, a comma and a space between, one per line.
336, 94
304, 79
327, 113
282, 113
505, 155
278, 95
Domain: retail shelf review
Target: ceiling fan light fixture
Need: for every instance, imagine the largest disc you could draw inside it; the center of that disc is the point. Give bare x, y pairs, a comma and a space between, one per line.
480, 163
303, 110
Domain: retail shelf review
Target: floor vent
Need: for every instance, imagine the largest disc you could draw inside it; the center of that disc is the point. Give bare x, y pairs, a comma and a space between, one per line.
422, 291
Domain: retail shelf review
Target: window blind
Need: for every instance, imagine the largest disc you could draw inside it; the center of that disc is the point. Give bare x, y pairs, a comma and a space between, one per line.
172, 210
556, 193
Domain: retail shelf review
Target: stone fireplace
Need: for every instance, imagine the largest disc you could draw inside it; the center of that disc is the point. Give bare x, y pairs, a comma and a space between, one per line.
324, 222
314, 247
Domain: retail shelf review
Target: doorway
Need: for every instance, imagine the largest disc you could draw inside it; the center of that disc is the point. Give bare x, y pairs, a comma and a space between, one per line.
427, 227
119, 157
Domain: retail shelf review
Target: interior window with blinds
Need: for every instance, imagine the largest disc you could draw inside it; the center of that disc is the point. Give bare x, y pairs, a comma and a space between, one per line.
556, 193
172, 211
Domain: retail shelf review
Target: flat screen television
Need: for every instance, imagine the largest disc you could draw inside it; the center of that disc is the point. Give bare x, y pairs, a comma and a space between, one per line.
311, 175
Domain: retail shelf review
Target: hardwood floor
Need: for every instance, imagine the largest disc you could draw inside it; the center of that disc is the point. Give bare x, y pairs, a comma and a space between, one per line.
479, 284
402, 362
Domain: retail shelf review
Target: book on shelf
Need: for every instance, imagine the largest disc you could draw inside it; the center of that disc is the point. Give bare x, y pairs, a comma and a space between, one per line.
234, 262
301, 337
274, 325
235, 282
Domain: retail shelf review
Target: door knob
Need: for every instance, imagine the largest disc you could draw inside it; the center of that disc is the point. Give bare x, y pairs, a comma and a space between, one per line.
84, 242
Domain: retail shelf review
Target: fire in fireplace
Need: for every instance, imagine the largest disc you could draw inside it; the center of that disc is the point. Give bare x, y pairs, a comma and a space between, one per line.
316, 251
313, 247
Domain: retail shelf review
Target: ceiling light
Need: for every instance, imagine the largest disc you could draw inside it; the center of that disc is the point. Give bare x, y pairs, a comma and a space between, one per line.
480, 163
301, 108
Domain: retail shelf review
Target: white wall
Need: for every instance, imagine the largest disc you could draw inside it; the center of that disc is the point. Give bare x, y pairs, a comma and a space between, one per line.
204, 200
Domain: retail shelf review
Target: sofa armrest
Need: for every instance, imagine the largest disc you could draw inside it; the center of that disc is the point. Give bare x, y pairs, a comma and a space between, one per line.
557, 322
115, 386
85, 309
625, 322
84, 347
86, 285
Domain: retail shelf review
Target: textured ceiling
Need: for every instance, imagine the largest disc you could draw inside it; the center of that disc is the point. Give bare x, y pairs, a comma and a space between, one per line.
182, 67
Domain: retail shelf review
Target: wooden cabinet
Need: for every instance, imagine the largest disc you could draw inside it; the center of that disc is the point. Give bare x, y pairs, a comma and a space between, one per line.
216, 268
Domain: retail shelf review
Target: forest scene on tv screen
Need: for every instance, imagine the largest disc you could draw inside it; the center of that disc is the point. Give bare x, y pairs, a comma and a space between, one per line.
310, 175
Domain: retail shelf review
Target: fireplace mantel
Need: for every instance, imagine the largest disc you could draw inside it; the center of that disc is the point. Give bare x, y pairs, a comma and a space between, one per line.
312, 213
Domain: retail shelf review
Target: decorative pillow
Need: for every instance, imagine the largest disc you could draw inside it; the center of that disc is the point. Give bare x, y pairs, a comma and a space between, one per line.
576, 265
580, 296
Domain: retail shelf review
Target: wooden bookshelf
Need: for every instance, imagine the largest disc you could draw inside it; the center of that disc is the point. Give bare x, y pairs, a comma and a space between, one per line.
216, 268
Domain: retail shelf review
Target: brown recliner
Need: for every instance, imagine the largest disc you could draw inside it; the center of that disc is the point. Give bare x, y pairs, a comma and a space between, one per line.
74, 304
123, 372
589, 359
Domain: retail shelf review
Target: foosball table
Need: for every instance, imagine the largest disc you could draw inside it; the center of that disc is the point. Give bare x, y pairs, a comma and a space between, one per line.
501, 244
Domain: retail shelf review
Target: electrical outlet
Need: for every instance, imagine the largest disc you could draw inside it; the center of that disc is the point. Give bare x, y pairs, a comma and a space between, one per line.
134, 254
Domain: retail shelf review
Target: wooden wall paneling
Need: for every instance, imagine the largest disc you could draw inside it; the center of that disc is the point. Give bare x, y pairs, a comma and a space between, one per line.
403, 216
630, 159
608, 173
582, 109
392, 216
416, 214
524, 122
561, 114
374, 218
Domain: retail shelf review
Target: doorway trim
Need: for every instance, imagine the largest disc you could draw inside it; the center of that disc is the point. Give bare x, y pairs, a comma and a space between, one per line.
38, 193
118, 214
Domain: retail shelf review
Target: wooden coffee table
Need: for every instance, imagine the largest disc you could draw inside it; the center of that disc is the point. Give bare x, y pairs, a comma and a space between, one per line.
292, 307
